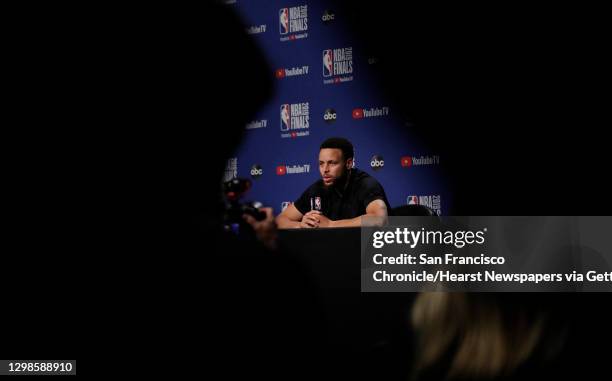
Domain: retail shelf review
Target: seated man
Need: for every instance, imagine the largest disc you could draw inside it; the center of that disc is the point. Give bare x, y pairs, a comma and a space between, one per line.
341, 197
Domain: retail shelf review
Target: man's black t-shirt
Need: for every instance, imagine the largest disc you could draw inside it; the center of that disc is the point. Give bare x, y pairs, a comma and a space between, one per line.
339, 204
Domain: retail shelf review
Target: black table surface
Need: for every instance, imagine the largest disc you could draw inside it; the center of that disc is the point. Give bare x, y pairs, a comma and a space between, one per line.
331, 257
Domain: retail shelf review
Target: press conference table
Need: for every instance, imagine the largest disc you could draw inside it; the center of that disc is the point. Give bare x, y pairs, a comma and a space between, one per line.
331, 256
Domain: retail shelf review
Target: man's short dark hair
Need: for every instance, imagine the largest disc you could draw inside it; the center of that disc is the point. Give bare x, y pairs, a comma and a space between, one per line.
342, 144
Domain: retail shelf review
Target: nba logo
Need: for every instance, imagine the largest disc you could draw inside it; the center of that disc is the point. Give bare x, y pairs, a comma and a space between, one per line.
285, 114
328, 57
413, 200
284, 205
317, 203
283, 20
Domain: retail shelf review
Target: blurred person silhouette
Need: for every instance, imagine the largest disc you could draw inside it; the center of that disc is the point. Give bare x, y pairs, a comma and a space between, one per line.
265, 317
475, 336
185, 295
507, 336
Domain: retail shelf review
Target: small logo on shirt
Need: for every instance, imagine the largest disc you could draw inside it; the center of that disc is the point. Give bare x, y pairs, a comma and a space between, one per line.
315, 203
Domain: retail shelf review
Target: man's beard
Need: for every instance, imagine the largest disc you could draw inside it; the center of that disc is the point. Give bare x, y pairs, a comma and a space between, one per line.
339, 182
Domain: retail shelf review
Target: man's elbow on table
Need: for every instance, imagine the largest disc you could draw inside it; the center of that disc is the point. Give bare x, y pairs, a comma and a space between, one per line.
376, 214
289, 218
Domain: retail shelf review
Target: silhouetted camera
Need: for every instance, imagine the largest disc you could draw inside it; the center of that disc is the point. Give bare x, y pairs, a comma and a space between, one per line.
233, 191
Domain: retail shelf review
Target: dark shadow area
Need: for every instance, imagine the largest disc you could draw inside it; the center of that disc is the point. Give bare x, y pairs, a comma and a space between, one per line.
511, 97
128, 115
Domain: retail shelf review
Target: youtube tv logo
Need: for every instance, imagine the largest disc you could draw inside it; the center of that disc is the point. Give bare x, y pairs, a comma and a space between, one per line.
406, 161
294, 169
417, 161
291, 71
372, 112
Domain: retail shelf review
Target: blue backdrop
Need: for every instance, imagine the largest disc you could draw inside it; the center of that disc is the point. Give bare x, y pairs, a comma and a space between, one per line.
326, 85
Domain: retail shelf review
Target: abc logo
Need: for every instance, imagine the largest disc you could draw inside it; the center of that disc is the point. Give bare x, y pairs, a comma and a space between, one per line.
377, 162
328, 16
330, 116
256, 171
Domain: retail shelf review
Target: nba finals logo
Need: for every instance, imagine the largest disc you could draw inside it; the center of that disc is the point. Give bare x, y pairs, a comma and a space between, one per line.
285, 116
231, 169
293, 23
283, 20
433, 202
294, 120
337, 65
327, 63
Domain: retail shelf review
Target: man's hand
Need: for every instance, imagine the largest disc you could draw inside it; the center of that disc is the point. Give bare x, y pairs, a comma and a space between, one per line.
325, 222
310, 219
315, 219
265, 230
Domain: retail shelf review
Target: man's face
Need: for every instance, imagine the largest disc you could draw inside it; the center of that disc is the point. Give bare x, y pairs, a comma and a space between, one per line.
332, 165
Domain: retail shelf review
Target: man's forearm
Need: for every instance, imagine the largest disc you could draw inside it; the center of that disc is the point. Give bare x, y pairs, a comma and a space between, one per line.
284, 222
348, 223
356, 222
